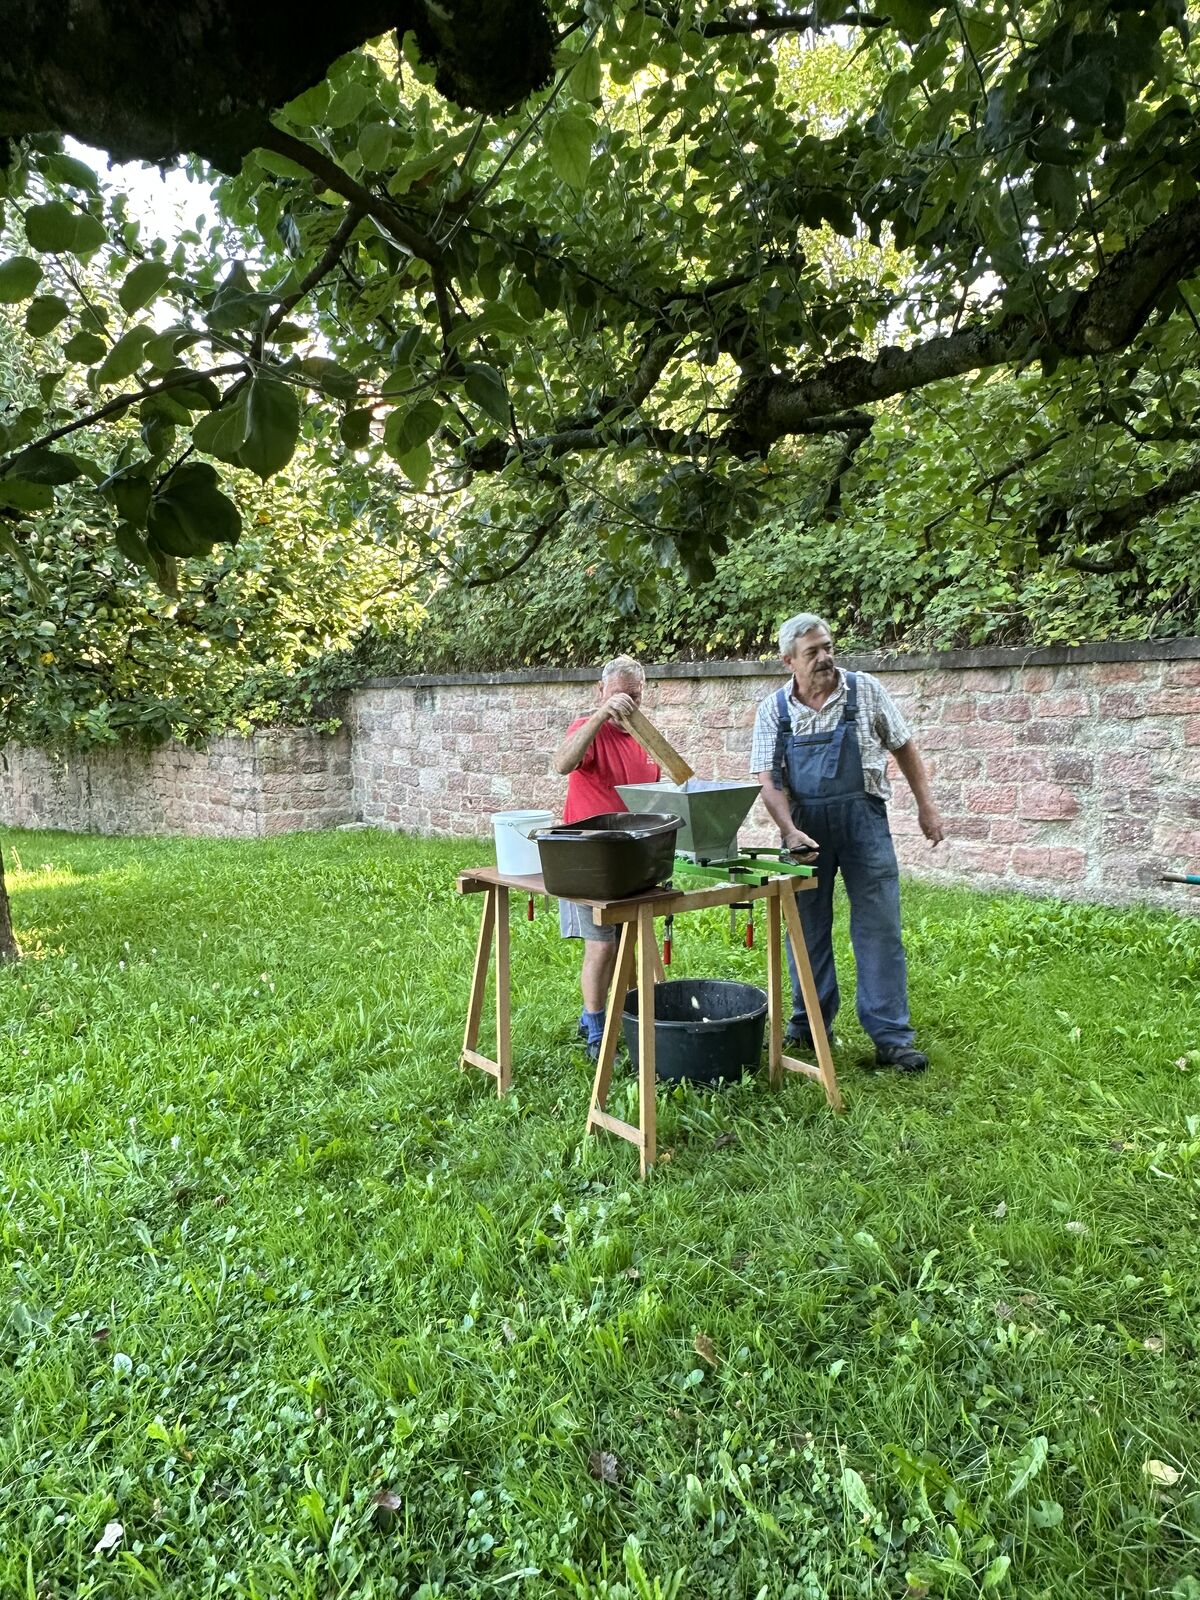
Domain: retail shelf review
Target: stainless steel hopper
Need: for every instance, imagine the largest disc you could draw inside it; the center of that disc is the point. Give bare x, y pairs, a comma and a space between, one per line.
711, 811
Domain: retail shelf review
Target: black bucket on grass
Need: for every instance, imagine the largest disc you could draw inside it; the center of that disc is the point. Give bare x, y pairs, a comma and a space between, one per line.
705, 1030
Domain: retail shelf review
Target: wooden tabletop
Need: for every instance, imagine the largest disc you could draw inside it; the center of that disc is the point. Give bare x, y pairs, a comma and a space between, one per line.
665, 901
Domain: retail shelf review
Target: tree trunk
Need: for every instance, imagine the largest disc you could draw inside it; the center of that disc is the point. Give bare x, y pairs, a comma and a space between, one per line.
10, 950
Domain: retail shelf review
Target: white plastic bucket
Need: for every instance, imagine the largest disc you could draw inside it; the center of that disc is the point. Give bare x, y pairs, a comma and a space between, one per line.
516, 852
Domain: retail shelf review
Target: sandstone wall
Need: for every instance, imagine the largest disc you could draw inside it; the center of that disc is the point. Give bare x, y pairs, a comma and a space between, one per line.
271, 782
1072, 772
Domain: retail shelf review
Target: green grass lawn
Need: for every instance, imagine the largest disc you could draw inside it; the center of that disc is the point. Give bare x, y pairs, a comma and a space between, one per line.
310, 1313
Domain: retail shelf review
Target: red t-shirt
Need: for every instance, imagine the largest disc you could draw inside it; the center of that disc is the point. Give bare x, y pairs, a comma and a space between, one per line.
613, 757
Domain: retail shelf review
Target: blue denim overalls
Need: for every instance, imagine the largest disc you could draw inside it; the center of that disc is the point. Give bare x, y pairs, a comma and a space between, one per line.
823, 774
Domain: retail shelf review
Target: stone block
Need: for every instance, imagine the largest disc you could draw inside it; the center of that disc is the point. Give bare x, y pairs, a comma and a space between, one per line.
1025, 766
1073, 769
987, 679
1066, 703
1173, 703
1143, 672
990, 799
1182, 675
1049, 732
1046, 802
1122, 704
1004, 708
1056, 865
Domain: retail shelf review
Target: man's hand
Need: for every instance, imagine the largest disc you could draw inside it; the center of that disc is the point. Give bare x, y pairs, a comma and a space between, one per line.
930, 819
616, 707
799, 843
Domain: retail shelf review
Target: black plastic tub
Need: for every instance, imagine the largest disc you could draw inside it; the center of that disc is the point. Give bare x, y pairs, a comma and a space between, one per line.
609, 856
705, 1030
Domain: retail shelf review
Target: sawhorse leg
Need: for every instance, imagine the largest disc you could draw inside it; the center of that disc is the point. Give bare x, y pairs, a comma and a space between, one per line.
823, 1071
493, 927
638, 948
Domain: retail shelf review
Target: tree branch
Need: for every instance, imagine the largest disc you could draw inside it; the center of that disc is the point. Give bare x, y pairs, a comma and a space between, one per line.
122, 402
1106, 317
329, 260
760, 20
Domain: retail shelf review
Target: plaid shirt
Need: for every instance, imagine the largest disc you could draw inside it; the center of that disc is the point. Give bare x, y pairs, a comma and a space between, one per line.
880, 727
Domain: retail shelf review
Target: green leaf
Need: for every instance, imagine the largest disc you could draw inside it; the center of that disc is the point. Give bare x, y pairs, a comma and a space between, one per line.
222, 433
272, 426
51, 227
132, 546
416, 465
485, 386
855, 1491
18, 495
330, 377
59, 227
355, 430
75, 174
586, 76
10, 546
19, 277
43, 465
193, 493
125, 357
143, 284
569, 147
1028, 1464
171, 532
129, 491
44, 315
346, 104
912, 17
85, 348
375, 145
404, 431
996, 1572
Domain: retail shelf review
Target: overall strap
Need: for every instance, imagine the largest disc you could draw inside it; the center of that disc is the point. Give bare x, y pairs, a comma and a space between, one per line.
851, 712
782, 732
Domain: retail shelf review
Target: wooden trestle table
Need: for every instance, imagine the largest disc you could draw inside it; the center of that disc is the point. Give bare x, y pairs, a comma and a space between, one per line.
638, 956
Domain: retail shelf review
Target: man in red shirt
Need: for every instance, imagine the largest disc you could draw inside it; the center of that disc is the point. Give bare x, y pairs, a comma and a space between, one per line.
596, 755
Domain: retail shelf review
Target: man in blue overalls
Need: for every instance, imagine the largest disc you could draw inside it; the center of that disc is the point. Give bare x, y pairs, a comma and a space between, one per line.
820, 751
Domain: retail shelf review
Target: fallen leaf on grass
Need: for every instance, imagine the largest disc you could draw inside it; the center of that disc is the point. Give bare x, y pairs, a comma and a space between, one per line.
724, 1140
1182, 1063
1152, 1343
99, 1335
1004, 1311
1078, 1228
384, 1506
220, 1200
1161, 1472
1028, 1299
705, 1349
1001, 1210
109, 1539
631, 1273
506, 1328
604, 1466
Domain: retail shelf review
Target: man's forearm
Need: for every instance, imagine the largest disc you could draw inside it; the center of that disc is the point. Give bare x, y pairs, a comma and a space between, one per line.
777, 802
575, 746
908, 759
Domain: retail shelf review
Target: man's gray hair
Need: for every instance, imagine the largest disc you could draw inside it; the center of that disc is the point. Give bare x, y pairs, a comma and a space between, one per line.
794, 627
623, 667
